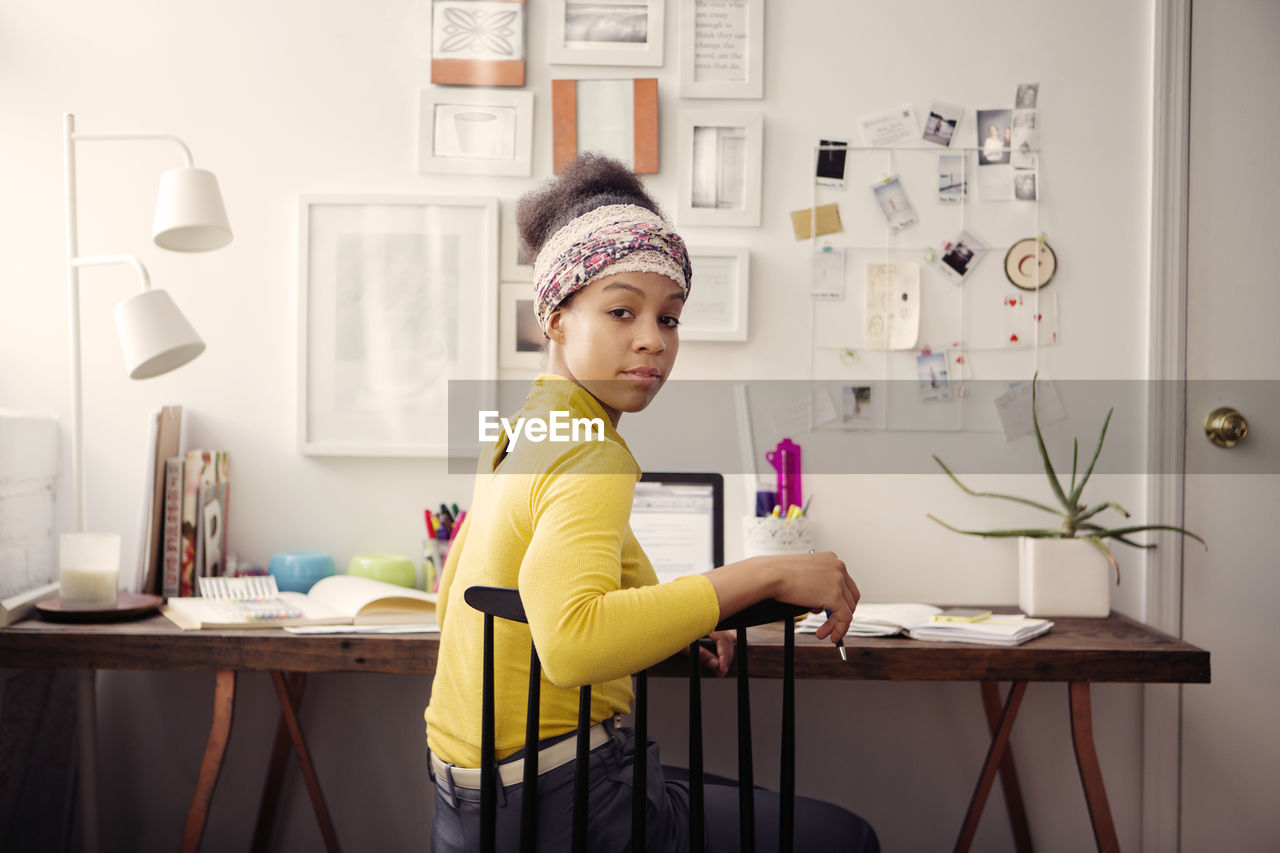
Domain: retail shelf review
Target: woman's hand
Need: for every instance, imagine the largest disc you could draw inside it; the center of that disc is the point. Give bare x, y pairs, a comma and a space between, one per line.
818, 581
718, 662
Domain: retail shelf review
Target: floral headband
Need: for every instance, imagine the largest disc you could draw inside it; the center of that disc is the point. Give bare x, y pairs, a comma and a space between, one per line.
611, 239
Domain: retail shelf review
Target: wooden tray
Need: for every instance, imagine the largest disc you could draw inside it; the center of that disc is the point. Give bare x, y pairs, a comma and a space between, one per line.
129, 605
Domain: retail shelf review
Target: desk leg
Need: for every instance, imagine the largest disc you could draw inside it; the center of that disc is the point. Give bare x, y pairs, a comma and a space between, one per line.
275, 771
290, 715
994, 753
1008, 774
224, 698
1104, 831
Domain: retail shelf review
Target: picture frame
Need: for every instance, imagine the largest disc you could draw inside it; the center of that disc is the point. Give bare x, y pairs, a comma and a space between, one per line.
720, 159
396, 297
475, 132
606, 32
519, 336
717, 308
727, 59
478, 42
514, 265
620, 120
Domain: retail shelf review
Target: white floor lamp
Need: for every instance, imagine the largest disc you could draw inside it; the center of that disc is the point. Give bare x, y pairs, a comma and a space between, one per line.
155, 338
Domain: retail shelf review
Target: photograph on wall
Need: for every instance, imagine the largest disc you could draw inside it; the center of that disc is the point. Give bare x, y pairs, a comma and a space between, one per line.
596, 23
940, 124
1028, 95
1024, 185
951, 178
995, 139
520, 339
958, 257
1025, 141
855, 407
831, 162
719, 167
934, 385
894, 204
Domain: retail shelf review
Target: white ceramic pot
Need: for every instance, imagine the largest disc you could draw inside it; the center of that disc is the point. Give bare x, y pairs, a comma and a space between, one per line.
1063, 577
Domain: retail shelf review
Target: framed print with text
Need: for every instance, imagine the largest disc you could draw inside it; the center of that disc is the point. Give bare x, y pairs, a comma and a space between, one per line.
721, 48
397, 295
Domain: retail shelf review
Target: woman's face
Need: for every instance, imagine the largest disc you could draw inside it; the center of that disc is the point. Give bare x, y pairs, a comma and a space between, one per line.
993, 132
618, 339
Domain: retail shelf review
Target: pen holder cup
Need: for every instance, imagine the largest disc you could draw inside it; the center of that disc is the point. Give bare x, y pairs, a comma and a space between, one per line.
297, 571
388, 568
765, 535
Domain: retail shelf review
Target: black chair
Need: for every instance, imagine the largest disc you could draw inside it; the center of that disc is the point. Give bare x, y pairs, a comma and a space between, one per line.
505, 603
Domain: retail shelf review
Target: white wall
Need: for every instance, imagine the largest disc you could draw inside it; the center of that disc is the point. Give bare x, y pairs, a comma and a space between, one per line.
288, 98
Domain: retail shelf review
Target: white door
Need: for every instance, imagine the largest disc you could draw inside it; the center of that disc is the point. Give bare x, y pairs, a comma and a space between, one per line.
1230, 785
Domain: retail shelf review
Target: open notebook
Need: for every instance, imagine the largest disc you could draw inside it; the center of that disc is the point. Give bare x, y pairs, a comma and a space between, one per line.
344, 602
873, 619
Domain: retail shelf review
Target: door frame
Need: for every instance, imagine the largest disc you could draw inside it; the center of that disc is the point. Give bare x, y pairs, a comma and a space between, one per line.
1166, 406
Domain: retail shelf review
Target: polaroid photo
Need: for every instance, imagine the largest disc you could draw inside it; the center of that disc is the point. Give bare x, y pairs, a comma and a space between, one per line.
1027, 323
894, 203
951, 178
1028, 94
886, 129
831, 158
931, 370
941, 123
958, 257
855, 407
1024, 184
994, 136
1026, 143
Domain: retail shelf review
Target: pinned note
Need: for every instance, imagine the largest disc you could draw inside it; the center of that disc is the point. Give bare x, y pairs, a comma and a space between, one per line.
827, 217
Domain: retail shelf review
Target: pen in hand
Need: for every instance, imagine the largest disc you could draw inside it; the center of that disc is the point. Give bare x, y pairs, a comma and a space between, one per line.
839, 643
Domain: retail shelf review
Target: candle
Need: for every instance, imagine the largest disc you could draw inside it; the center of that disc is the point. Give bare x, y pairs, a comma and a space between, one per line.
89, 569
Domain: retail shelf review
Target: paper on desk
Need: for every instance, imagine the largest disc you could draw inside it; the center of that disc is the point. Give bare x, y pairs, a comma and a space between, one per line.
363, 629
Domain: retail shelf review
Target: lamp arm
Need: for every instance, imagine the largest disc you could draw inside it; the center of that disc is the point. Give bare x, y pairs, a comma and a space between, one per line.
95, 137
103, 260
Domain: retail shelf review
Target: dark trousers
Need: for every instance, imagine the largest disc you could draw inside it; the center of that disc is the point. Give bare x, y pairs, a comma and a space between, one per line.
818, 825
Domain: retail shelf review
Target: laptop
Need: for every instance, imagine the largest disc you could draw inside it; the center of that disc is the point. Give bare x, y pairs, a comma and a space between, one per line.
678, 518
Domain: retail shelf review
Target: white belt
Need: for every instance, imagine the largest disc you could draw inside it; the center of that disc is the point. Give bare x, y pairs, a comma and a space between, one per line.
512, 772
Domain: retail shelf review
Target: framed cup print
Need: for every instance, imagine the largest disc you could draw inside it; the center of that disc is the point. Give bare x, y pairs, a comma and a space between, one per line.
720, 155
716, 309
475, 132
516, 263
721, 48
618, 118
397, 295
606, 32
519, 335
478, 42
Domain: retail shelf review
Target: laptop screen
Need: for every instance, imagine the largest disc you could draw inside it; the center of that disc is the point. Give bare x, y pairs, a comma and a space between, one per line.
679, 521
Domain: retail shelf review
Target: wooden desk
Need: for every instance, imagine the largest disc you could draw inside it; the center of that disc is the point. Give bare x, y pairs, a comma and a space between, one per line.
1077, 652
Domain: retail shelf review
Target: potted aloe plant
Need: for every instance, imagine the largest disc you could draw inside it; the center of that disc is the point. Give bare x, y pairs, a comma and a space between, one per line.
1065, 571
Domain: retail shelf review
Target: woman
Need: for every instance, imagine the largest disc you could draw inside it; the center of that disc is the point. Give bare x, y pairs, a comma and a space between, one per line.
552, 519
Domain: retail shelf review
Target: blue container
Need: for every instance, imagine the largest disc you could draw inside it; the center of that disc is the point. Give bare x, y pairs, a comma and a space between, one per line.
297, 571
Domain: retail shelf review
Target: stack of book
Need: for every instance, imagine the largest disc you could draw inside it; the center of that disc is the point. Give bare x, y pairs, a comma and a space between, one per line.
184, 518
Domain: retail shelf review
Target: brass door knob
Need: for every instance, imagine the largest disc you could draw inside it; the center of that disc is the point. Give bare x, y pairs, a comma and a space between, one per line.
1225, 427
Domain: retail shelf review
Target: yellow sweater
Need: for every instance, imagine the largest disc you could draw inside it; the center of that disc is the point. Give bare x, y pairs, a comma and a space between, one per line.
554, 521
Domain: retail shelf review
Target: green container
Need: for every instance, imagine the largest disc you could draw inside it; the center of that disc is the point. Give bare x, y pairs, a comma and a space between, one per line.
390, 568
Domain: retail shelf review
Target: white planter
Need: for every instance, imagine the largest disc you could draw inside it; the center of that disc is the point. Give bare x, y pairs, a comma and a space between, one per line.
1063, 577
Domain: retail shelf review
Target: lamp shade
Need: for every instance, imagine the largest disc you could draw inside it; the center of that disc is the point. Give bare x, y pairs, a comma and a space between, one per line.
190, 216
154, 335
